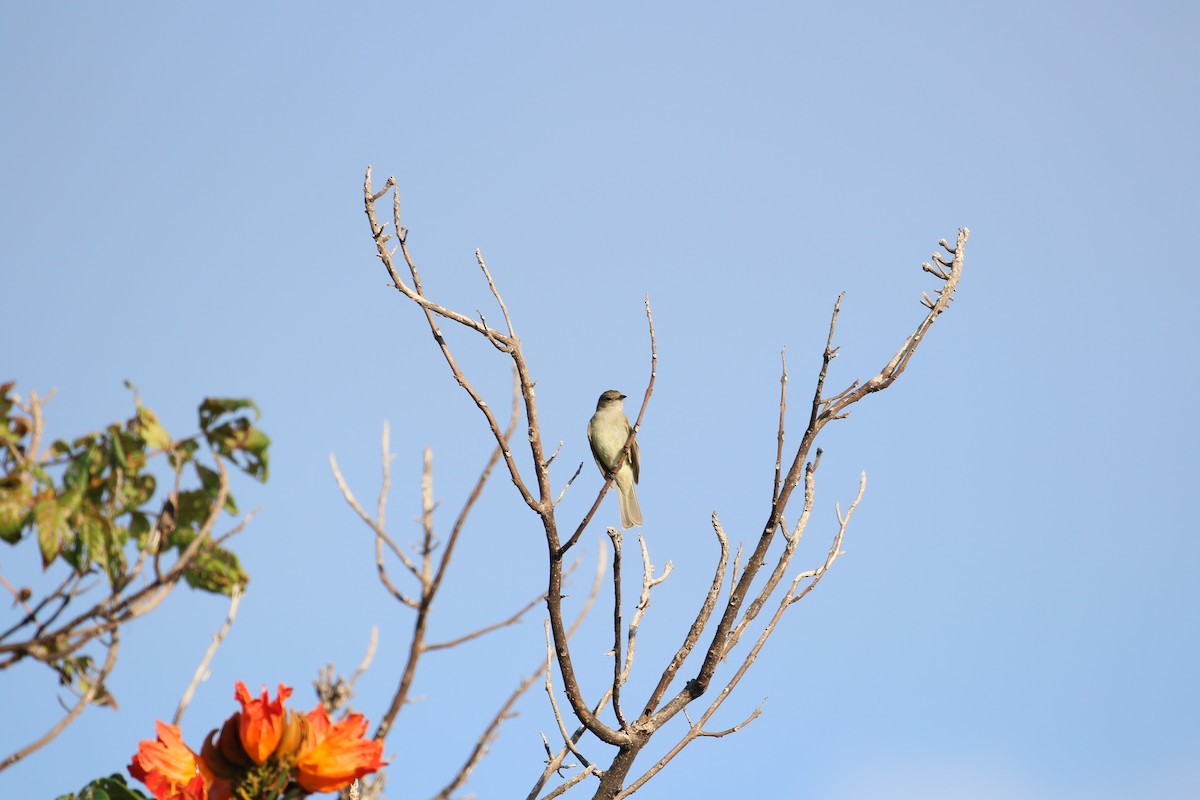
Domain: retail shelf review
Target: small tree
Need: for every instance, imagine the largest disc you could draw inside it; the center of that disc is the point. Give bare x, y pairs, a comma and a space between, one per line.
764, 579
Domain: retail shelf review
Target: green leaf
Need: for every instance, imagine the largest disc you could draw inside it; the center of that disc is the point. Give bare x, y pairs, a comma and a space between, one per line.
234, 437
210, 479
242, 445
14, 431
213, 569
87, 440
112, 557
52, 530
256, 445
77, 554
71, 670
138, 490
15, 505
101, 695
214, 407
93, 543
79, 471
40, 475
182, 452
152, 431
139, 526
216, 570
134, 447
111, 788
193, 509
117, 450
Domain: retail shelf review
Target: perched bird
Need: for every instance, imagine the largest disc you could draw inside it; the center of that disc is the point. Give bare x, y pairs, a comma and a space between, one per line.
607, 431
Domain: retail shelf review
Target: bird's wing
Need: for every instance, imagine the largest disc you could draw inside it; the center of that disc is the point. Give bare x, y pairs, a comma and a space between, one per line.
633, 455
592, 446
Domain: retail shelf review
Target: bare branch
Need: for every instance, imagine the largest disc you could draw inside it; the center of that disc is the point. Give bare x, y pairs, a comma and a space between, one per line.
574, 779
698, 625
508, 344
790, 597
835, 549
427, 506
496, 294
461, 520
18, 597
820, 414
495, 626
385, 483
695, 730
368, 657
648, 583
94, 688
335, 692
755, 714
897, 364
487, 737
563, 493
374, 525
782, 414
555, 762
201, 674
557, 448
568, 740
431, 583
618, 629
60, 594
785, 558
745, 601
415, 292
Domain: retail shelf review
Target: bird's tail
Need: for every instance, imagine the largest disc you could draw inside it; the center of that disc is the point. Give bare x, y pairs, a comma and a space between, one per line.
631, 512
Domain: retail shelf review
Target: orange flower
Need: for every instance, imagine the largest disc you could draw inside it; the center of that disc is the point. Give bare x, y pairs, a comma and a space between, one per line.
168, 768
335, 754
261, 722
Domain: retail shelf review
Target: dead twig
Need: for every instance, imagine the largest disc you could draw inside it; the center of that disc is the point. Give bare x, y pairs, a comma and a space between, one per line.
201, 673
96, 685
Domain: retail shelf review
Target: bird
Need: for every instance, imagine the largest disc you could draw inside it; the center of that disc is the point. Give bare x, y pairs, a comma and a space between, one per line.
607, 432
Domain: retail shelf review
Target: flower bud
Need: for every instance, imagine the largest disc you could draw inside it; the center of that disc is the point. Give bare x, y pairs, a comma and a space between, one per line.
292, 738
216, 761
230, 743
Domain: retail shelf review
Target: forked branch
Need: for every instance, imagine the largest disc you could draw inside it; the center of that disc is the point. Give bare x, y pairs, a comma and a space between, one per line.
749, 592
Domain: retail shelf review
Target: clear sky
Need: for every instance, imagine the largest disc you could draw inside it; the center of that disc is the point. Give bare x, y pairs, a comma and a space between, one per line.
1016, 613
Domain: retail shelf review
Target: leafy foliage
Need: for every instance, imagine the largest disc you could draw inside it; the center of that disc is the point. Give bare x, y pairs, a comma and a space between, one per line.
129, 504
85, 500
111, 788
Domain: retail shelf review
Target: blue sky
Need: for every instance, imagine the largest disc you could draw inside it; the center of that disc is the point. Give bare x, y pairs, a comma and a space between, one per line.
1015, 613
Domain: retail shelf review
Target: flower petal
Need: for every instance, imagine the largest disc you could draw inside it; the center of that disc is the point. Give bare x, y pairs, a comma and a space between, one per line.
168, 767
335, 754
261, 722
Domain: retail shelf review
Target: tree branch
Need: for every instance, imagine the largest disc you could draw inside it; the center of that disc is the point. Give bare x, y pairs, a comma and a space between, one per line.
201, 674
110, 661
744, 602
